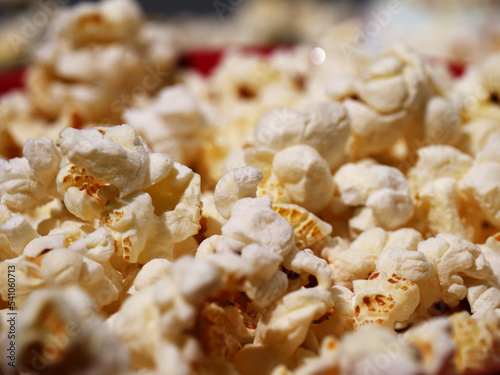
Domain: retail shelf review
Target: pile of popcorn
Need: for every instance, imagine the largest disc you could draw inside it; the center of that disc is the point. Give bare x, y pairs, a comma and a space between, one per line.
288, 214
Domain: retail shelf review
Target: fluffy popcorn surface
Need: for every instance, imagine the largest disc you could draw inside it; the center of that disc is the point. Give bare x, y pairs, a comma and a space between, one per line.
236, 184
171, 124
414, 266
445, 209
476, 340
93, 56
325, 127
382, 189
63, 323
384, 100
305, 175
438, 161
285, 327
308, 228
384, 300
254, 221
28, 182
15, 234
155, 320
347, 264
117, 156
455, 261
49, 261
147, 201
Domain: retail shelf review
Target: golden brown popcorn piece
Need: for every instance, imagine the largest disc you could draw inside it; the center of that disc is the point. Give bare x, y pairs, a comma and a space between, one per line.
384, 300
307, 227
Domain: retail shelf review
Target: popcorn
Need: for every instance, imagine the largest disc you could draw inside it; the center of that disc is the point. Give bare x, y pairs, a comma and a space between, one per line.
93, 57
476, 340
434, 341
145, 190
49, 261
384, 101
285, 327
253, 221
414, 266
236, 184
171, 124
154, 323
372, 349
381, 194
28, 182
305, 175
455, 261
59, 330
481, 182
384, 300
325, 127
15, 234
438, 161
357, 260
308, 228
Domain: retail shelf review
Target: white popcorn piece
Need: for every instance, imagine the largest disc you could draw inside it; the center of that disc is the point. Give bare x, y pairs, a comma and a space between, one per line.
481, 183
147, 201
93, 60
285, 327
325, 127
28, 182
308, 228
154, 323
381, 194
415, 267
253, 221
60, 331
384, 300
476, 134
15, 234
434, 341
211, 220
305, 175
357, 260
438, 161
49, 261
456, 262
172, 124
236, 184
340, 320
384, 101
